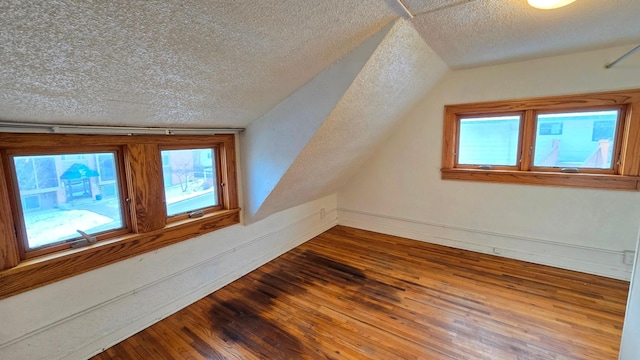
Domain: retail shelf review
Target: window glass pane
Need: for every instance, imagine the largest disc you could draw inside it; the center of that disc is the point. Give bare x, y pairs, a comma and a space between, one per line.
489, 140
576, 140
106, 167
190, 180
60, 194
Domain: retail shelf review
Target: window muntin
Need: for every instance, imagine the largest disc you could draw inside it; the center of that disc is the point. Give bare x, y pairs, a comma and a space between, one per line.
139, 175
190, 179
59, 194
621, 172
492, 140
578, 140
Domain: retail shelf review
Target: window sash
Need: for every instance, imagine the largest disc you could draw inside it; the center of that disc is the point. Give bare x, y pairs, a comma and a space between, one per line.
615, 147
216, 163
140, 164
489, 165
626, 149
27, 251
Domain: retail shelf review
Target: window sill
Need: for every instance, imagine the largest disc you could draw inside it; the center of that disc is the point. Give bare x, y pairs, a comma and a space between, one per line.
589, 181
47, 269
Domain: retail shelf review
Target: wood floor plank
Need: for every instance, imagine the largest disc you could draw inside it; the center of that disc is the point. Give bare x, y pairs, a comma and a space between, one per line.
354, 294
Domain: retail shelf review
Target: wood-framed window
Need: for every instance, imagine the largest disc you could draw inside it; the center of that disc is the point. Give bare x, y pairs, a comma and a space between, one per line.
191, 181
57, 195
586, 140
113, 190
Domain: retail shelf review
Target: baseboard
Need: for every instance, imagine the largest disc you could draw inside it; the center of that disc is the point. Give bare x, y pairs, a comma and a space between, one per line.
572, 257
175, 305
151, 303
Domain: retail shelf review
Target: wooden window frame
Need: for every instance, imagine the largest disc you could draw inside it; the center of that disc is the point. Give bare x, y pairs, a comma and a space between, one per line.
220, 184
18, 212
147, 223
625, 174
483, 115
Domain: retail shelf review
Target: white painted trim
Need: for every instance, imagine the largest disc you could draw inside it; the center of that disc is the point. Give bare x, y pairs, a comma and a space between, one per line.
567, 256
629, 345
165, 310
153, 298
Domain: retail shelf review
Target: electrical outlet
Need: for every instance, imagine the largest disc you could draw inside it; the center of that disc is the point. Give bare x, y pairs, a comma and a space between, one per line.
628, 257
322, 214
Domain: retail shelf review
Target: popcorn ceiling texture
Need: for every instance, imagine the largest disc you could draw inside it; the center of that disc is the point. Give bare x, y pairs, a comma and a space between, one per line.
226, 63
418, 7
401, 70
483, 32
146, 63
231, 63
271, 144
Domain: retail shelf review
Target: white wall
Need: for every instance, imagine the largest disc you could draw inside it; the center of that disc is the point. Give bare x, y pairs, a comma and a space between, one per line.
78, 317
272, 143
630, 346
399, 191
313, 142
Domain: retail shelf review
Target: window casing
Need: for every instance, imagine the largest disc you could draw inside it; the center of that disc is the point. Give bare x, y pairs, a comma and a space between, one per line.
135, 177
73, 200
191, 183
588, 140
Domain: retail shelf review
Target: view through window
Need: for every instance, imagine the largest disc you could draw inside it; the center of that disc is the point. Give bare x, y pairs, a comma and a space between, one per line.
61, 194
580, 140
489, 140
576, 139
190, 180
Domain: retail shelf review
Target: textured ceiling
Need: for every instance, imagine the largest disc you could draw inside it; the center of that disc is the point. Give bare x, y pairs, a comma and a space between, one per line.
227, 63
153, 63
481, 32
398, 74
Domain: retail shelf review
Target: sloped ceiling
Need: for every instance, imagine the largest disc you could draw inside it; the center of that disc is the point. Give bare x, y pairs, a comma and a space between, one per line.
158, 63
479, 32
271, 144
241, 63
400, 71
227, 63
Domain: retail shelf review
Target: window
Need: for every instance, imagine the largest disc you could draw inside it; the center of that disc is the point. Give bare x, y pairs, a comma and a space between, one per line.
190, 181
590, 140
489, 140
581, 140
96, 202
58, 198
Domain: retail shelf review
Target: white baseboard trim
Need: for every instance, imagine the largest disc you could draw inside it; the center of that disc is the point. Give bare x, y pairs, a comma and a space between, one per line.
144, 306
567, 256
165, 310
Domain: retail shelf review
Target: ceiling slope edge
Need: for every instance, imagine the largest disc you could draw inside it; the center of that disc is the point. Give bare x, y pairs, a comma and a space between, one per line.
399, 73
270, 144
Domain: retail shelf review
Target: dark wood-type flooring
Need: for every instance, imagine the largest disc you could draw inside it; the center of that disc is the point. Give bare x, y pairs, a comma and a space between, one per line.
353, 294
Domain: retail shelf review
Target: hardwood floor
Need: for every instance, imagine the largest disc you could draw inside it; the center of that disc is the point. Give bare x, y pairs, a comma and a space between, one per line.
353, 294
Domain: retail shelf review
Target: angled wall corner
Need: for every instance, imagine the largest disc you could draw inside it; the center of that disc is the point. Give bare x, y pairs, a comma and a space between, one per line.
270, 144
398, 74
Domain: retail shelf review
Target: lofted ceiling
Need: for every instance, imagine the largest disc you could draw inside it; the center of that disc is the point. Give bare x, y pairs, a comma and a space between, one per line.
227, 63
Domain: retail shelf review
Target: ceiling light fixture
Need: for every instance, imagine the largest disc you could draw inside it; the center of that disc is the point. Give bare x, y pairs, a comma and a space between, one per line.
549, 4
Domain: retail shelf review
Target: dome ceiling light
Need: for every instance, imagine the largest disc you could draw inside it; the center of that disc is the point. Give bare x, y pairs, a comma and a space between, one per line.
549, 4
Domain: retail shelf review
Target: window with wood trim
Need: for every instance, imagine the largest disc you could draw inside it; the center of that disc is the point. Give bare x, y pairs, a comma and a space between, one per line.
60, 199
587, 140
190, 179
91, 200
